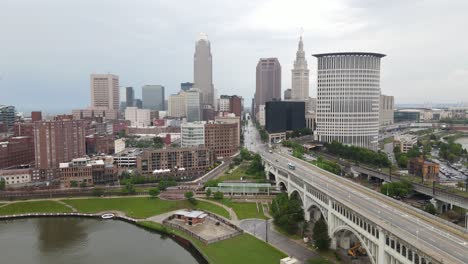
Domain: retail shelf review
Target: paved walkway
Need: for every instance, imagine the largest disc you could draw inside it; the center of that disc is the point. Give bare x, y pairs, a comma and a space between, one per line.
291, 247
232, 214
67, 205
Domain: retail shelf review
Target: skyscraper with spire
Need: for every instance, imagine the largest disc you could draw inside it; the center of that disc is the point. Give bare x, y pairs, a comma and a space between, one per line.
300, 75
203, 70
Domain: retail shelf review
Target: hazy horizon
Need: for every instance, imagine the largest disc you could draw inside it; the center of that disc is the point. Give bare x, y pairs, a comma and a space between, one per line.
47, 56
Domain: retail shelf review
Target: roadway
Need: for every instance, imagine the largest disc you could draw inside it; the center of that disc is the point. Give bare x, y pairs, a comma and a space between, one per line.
440, 243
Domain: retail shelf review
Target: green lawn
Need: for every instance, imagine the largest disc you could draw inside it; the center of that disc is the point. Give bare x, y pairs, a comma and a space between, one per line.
238, 250
248, 210
236, 174
140, 207
34, 207
243, 210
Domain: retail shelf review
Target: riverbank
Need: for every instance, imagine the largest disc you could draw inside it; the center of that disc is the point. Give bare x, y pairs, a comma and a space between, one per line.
238, 250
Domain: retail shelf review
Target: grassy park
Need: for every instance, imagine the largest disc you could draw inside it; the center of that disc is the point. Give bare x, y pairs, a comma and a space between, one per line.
34, 207
236, 173
248, 210
140, 207
243, 210
238, 250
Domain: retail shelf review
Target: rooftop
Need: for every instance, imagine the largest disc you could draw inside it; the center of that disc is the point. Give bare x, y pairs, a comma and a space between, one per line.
191, 214
379, 55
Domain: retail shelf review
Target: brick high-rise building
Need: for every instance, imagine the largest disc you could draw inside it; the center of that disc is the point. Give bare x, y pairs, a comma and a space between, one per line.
16, 151
24, 130
235, 105
58, 141
105, 91
222, 138
268, 87
36, 116
230, 104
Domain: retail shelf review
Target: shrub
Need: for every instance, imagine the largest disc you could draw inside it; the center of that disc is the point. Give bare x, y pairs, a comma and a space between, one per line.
97, 191
190, 197
218, 195
154, 192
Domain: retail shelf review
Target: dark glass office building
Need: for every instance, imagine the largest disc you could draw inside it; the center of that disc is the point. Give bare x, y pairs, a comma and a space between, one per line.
282, 116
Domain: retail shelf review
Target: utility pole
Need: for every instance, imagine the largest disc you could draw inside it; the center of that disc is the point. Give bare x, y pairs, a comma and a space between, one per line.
266, 230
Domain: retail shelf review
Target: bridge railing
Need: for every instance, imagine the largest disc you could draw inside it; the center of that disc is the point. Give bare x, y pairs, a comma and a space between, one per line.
430, 218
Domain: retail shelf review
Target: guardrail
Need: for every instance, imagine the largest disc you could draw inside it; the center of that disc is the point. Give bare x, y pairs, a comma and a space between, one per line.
74, 214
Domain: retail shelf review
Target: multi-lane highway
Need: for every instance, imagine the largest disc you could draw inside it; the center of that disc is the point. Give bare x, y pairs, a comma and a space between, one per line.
452, 247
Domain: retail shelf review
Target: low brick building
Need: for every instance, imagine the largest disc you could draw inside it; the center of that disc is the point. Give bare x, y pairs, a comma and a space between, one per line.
16, 176
181, 163
190, 217
429, 171
99, 144
84, 171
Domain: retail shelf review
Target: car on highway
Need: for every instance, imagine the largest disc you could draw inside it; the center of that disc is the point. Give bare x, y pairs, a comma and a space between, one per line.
291, 166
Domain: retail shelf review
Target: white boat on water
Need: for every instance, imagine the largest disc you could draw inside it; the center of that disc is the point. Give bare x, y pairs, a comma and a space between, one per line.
107, 216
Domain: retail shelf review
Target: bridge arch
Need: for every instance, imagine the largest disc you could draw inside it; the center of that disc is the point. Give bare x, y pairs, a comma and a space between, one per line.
346, 228
316, 211
271, 176
283, 186
297, 194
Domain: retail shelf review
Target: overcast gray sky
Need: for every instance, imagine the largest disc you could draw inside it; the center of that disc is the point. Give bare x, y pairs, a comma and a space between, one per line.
48, 48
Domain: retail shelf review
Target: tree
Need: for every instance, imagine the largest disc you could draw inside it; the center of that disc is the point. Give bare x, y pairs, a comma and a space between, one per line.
430, 208
2, 184
287, 213
83, 185
163, 184
190, 198
211, 183
208, 193
97, 191
158, 142
218, 195
397, 189
320, 236
73, 184
129, 188
256, 167
245, 154
154, 192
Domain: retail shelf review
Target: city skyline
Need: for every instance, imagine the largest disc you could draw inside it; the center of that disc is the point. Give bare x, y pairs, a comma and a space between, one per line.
253, 33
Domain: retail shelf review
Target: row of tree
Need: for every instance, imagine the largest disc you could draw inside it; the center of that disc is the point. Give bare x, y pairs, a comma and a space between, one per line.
358, 154
135, 142
397, 189
299, 132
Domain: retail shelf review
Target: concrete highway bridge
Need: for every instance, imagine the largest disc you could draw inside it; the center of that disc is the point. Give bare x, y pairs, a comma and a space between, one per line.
390, 231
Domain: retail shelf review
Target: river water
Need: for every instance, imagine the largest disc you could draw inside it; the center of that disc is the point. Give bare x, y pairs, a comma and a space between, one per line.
463, 141
85, 241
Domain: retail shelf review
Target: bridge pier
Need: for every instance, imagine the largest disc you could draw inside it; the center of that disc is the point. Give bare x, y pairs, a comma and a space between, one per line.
440, 206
